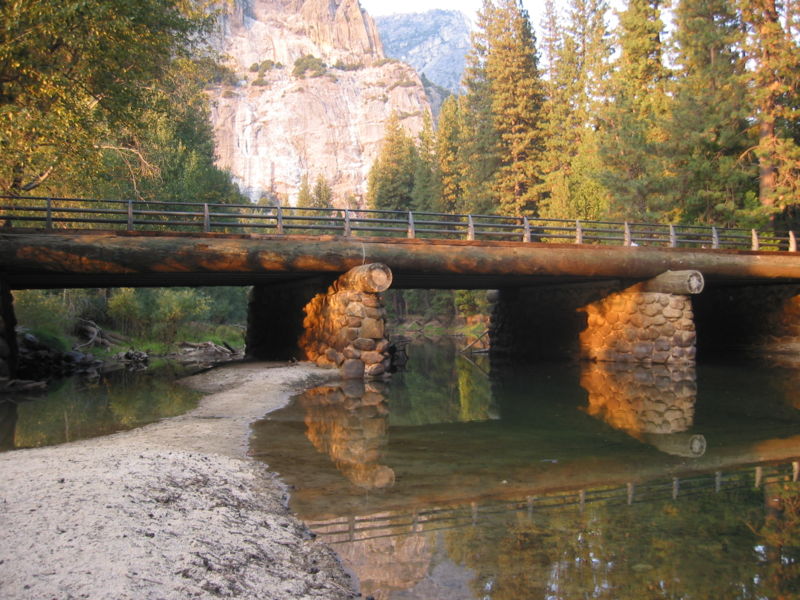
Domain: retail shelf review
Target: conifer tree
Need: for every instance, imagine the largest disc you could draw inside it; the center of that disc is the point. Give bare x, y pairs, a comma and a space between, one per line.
390, 183
708, 127
449, 152
632, 120
504, 100
427, 188
576, 70
772, 48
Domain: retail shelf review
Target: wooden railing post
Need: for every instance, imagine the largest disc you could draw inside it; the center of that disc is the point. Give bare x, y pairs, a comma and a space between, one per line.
470, 228
49, 222
673, 237
346, 222
526, 229
714, 238
578, 232
754, 245
412, 232
206, 219
792, 242
279, 219
627, 240
130, 215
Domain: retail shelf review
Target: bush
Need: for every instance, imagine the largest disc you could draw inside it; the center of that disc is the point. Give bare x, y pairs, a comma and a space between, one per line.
308, 64
45, 313
127, 312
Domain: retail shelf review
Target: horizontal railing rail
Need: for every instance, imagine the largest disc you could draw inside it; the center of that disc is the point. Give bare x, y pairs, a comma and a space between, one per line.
50, 213
357, 528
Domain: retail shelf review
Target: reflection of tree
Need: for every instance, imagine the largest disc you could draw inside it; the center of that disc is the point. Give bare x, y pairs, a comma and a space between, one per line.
349, 423
779, 535
76, 410
652, 403
437, 386
695, 548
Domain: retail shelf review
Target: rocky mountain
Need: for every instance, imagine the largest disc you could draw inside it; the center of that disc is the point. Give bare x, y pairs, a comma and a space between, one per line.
435, 43
313, 96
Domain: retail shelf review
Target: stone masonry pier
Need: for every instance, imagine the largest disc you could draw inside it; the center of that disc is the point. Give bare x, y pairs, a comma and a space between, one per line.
648, 323
341, 325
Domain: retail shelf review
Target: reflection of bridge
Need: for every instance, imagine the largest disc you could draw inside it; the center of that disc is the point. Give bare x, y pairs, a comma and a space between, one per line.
356, 528
292, 254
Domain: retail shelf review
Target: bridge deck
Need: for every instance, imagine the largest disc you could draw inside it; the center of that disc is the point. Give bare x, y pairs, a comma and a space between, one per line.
57, 259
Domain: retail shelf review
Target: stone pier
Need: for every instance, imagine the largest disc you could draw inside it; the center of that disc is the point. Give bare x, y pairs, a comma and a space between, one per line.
647, 323
336, 325
344, 327
8, 338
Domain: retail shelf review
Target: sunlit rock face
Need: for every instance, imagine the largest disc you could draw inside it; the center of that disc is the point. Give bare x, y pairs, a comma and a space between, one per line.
273, 127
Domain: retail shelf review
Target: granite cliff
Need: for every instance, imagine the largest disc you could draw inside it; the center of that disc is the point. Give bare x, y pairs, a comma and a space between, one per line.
435, 43
313, 96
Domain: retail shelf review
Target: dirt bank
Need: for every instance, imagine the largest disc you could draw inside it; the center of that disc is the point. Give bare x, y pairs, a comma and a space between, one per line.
172, 510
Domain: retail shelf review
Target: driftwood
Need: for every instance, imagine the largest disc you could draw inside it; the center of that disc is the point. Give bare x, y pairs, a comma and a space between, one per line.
206, 347
15, 386
97, 336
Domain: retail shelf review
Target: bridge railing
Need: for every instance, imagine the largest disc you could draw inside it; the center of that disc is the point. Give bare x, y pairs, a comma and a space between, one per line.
388, 523
41, 212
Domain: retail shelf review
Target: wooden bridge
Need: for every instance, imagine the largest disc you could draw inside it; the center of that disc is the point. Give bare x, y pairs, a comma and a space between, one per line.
56, 243
293, 254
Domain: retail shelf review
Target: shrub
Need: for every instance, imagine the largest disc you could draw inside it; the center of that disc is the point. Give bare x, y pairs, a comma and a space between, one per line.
308, 64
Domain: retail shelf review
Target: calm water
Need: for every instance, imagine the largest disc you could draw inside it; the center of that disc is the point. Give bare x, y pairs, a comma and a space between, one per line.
559, 482
74, 409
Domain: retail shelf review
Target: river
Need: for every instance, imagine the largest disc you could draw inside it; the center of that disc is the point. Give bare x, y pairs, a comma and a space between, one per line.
459, 481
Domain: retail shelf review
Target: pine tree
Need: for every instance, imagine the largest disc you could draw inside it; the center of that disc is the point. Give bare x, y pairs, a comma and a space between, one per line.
427, 186
775, 83
632, 120
449, 152
480, 139
390, 183
503, 102
322, 196
708, 127
576, 71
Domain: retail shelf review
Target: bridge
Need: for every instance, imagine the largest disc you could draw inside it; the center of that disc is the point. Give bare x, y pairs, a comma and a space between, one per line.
567, 288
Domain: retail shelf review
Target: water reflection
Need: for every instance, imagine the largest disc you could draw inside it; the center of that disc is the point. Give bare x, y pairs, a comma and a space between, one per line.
74, 409
654, 404
349, 423
558, 483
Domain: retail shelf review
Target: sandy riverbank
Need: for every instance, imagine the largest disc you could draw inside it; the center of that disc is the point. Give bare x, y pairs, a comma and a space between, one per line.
173, 510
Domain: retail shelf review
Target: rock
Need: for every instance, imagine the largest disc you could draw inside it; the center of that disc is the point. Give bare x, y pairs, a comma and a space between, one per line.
370, 358
270, 126
371, 329
375, 370
352, 369
364, 344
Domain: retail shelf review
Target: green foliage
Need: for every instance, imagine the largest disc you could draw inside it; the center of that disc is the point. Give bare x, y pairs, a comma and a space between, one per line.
634, 170
75, 73
391, 179
503, 112
174, 308
45, 313
126, 311
308, 64
343, 66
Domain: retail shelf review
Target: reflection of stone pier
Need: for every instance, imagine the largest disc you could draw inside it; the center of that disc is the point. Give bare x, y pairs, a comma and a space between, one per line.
654, 404
349, 423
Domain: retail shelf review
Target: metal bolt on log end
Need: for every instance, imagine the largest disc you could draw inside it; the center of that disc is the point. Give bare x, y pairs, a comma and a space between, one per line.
372, 278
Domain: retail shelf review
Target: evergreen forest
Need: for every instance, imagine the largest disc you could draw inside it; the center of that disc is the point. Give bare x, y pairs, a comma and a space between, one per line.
683, 112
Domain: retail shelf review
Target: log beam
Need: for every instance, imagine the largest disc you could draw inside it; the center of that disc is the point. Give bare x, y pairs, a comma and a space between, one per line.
86, 259
673, 282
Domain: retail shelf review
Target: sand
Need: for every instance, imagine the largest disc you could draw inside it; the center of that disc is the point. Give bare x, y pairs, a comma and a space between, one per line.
171, 510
